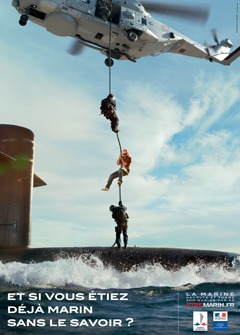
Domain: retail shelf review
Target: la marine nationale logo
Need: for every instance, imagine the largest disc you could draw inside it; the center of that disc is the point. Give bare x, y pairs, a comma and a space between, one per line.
200, 321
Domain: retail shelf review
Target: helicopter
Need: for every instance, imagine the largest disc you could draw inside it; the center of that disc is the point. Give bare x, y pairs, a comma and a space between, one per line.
123, 29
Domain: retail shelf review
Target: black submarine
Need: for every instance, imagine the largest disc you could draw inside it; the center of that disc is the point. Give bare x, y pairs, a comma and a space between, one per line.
17, 180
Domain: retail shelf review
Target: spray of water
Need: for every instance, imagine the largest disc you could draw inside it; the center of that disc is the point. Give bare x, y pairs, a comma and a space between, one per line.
93, 274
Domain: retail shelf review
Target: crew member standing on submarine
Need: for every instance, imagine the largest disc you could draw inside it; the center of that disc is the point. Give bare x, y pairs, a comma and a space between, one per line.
121, 218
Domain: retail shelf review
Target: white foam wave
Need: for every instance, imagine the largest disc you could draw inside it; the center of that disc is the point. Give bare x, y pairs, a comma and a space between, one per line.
76, 272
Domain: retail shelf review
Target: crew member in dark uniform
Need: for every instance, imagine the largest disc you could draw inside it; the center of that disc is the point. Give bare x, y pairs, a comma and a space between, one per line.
108, 109
121, 218
103, 10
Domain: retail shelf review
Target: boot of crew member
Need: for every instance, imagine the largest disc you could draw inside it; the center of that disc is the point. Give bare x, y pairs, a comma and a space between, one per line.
118, 240
125, 239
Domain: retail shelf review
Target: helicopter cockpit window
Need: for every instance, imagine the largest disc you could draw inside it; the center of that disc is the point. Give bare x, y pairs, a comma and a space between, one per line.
104, 12
144, 21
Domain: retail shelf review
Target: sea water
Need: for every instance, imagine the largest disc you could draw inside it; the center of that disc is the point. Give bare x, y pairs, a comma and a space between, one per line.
70, 296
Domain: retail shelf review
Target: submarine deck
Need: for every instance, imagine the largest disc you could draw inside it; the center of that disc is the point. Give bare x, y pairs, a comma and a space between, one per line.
122, 260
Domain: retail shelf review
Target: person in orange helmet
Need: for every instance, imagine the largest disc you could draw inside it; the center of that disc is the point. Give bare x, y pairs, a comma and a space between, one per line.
124, 160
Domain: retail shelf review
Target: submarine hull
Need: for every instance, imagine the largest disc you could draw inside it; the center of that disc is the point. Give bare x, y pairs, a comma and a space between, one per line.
17, 180
125, 259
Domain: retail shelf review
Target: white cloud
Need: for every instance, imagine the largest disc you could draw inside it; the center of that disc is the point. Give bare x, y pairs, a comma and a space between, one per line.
222, 93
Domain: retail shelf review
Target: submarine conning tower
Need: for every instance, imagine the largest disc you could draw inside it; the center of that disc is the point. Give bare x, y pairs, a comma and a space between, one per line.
16, 182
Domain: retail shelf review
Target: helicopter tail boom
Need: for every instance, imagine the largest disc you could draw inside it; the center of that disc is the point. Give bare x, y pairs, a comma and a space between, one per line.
231, 57
221, 53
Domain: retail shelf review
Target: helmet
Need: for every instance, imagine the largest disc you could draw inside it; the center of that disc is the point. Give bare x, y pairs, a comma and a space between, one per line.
124, 152
111, 208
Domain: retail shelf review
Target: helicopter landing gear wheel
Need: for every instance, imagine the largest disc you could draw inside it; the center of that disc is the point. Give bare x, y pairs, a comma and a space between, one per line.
109, 63
23, 20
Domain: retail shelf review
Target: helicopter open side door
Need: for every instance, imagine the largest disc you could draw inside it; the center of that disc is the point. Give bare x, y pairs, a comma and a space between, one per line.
108, 12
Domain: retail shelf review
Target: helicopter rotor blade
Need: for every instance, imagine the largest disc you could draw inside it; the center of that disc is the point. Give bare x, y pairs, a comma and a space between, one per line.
196, 13
209, 45
215, 37
76, 48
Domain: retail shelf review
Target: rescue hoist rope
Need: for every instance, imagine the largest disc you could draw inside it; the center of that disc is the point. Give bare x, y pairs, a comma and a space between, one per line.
109, 50
120, 195
110, 81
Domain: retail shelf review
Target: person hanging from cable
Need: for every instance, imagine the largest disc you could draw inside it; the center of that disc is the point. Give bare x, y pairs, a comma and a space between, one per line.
103, 9
121, 218
124, 160
108, 109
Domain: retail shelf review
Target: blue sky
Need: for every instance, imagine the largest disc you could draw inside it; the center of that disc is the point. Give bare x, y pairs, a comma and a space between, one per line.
179, 120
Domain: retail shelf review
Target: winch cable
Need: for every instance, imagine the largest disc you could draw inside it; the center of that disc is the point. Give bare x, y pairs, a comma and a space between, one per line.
109, 50
120, 195
110, 81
